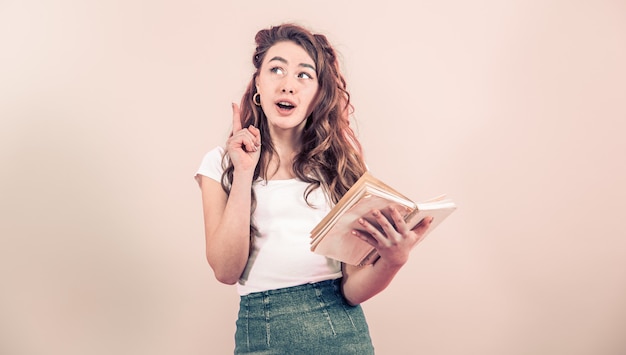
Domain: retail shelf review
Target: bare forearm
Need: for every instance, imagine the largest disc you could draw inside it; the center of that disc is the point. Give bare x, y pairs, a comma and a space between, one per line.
361, 284
228, 244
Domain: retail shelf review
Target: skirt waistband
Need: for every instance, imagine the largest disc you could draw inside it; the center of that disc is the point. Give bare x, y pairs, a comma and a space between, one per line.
334, 284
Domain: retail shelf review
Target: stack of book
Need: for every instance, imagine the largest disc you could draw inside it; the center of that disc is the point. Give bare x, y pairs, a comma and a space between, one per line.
332, 236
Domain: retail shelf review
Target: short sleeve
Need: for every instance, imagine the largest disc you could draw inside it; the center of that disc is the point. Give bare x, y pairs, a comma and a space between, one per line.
211, 165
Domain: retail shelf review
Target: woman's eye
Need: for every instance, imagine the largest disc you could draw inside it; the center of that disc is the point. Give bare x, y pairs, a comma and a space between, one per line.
277, 70
304, 75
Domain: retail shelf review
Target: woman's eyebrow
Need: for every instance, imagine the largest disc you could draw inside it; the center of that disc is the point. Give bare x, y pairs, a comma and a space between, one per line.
283, 60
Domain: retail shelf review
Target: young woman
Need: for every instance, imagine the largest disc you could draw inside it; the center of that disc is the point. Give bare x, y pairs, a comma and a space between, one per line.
291, 156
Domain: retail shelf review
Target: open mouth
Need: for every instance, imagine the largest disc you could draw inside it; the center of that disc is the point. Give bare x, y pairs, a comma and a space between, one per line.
285, 106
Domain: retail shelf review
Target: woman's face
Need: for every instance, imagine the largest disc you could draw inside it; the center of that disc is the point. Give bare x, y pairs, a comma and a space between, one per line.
287, 84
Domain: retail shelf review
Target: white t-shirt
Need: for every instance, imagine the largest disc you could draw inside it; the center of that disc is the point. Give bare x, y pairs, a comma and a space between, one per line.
281, 256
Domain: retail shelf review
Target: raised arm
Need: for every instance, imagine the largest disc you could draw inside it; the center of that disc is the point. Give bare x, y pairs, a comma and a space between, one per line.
227, 217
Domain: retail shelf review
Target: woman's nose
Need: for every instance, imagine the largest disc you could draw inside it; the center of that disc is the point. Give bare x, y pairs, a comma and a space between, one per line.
287, 85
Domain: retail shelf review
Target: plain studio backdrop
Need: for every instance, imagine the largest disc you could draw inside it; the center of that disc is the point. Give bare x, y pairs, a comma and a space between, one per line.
515, 109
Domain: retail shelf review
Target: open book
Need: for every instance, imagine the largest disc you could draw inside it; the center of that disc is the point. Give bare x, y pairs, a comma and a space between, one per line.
332, 236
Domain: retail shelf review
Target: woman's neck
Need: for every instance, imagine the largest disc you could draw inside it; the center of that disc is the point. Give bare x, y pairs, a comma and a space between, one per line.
280, 167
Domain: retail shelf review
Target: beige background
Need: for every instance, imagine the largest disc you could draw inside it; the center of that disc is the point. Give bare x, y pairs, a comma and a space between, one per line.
516, 109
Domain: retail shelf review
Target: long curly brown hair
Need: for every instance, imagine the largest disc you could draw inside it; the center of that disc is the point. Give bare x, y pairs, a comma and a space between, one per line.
330, 155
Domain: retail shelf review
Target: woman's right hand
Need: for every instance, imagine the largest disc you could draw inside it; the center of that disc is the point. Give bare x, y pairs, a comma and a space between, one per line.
244, 145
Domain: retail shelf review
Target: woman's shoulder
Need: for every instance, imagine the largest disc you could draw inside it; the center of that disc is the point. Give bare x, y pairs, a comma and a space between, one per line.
214, 156
216, 149
211, 165
219, 150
